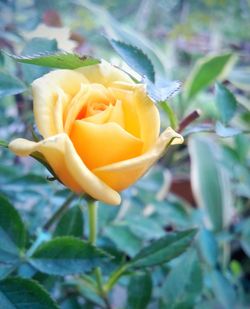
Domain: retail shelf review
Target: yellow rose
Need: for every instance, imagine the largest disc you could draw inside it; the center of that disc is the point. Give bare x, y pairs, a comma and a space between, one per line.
100, 130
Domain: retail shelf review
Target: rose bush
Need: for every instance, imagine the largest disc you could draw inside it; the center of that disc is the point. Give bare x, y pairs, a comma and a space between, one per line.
100, 129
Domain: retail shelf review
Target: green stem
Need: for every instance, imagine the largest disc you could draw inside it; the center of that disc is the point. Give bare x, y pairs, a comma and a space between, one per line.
114, 278
59, 212
92, 207
169, 111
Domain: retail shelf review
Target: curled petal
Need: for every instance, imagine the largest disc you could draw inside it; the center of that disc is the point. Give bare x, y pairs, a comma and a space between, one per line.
68, 166
121, 175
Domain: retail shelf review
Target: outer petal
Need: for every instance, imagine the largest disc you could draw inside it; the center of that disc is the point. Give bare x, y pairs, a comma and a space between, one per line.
45, 94
62, 157
121, 175
104, 73
100, 145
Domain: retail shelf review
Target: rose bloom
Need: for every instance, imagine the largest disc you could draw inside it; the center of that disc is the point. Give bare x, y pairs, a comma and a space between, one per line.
100, 130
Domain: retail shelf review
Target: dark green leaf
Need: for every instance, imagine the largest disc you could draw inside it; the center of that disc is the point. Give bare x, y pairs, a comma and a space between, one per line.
226, 103
164, 249
10, 85
71, 223
12, 232
67, 255
183, 283
135, 58
24, 294
139, 291
60, 60
210, 182
207, 70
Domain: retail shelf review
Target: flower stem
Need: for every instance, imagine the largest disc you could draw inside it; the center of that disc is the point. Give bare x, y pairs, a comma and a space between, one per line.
170, 113
92, 207
59, 212
114, 278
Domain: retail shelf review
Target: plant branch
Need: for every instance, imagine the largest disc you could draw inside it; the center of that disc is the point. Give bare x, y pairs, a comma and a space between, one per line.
189, 119
47, 226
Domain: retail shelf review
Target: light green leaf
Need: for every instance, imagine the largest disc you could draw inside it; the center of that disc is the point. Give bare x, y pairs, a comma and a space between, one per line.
23, 294
183, 283
226, 102
71, 223
223, 131
4, 144
12, 233
164, 249
208, 247
10, 85
135, 58
60, 60
67, 256
139, 291
206, 71
223, 290
210, 182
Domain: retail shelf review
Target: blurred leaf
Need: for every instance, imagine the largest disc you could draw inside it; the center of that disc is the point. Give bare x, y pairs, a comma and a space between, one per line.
223, 131
245, 236
4, 144
10, 85
71, 223
208, 247
223, 290
60, 60
183, 284
23, 294
135, 58
12, 233
207, 70
164, 249
210, 182
139, 291
67, 256
226, 102
123, 238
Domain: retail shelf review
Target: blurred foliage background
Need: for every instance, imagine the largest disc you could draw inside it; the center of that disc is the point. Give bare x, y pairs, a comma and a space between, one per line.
204, 183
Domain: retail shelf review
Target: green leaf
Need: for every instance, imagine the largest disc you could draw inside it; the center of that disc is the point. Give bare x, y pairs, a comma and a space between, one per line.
135, 58
71, 223
60, 60
223, 290
23, 294
226, 102
3, 144
208, 247
206, 71
10, 85
12, 233
210, 182
67, 255
123, 238
139, 291
164, 249
183, 283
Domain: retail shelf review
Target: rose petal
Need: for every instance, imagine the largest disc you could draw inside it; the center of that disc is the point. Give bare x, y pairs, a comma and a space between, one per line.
68, 166
104, 73
100, 145
121, 175
45, 94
